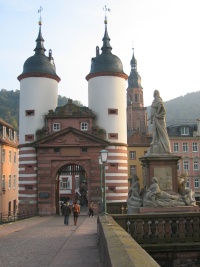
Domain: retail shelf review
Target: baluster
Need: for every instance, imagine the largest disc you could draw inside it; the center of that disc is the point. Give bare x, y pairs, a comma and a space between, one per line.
174, 227
167, 228
182, 229
146, 228
188, 226
153, 228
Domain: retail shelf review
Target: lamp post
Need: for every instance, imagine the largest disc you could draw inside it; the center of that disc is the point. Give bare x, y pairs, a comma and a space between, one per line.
101, 186
104, 155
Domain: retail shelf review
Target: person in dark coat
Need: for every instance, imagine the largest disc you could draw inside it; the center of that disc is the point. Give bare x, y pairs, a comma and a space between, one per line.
66, 213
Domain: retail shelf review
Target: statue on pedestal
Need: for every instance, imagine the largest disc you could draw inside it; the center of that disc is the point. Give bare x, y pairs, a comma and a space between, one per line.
159, 133
186, 193
134, 199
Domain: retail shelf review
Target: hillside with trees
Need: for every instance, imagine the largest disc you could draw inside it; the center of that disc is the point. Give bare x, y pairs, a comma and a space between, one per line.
183, 108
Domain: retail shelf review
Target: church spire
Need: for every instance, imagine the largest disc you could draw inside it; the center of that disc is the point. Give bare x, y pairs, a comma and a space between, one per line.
134, 79
106, 48
133, 62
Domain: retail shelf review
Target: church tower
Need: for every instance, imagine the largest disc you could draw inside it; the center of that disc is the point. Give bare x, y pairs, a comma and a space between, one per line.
136, 112
38, 94
107, 98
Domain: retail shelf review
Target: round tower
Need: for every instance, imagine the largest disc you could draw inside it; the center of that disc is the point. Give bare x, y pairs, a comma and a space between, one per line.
107, 98
38, 91
38, 95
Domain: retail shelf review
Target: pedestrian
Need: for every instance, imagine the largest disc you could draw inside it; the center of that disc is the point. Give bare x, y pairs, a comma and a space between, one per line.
61, 207
66, 213
91, 210
76, 212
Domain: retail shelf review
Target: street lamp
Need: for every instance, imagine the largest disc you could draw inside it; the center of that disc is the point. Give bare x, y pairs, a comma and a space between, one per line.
101, 186
104, 156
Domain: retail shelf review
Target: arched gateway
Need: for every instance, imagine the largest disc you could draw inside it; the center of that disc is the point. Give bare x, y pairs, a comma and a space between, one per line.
71, 185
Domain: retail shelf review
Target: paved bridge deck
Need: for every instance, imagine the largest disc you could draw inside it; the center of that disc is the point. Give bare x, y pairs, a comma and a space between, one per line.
46, 241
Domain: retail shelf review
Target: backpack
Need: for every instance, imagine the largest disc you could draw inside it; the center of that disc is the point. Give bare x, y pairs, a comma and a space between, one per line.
76, 208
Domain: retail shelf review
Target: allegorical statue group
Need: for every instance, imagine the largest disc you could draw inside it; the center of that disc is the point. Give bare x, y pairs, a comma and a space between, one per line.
154, 196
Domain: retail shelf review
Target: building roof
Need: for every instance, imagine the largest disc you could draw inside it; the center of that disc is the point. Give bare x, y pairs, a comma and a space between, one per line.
106, 61
39, 64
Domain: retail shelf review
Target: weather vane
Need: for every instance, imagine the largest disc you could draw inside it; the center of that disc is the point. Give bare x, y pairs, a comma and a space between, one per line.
106, 9
39, 11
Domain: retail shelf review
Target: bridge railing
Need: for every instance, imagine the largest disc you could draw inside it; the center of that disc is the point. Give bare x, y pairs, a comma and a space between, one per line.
15, 216
161, 228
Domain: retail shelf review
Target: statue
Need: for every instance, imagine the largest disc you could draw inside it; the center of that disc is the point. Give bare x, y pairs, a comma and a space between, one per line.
155, 197
134, 199
186, 193
159, 132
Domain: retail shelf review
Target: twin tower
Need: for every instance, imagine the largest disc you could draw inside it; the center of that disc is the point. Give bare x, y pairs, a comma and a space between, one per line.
107, 100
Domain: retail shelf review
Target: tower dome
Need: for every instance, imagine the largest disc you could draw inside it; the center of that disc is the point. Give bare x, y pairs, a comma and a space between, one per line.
106, 62
39, 65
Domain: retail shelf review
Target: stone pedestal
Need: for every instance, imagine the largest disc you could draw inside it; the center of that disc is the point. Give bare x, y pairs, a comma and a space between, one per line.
164, 168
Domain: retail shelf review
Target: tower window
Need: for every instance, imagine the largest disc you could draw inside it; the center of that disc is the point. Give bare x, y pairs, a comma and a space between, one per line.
29, 137
113, 136
30, 112
84, 149
112, 111
136, 97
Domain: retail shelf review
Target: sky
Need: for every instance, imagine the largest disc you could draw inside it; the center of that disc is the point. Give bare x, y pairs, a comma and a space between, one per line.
165, 35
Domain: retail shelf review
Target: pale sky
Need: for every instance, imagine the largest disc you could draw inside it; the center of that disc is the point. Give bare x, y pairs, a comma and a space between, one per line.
165, 35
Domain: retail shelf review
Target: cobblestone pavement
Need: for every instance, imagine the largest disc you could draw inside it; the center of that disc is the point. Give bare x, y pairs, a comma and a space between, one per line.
46, 241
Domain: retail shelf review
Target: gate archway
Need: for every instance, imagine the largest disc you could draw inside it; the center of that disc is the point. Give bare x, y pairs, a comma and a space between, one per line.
71, 185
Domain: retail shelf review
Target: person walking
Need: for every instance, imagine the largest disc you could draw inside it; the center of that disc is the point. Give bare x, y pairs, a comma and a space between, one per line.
76, 212
66, 213
91, 210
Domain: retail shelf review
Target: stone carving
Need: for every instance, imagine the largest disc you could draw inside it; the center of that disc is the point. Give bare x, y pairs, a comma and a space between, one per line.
134, 199
186, 193
157, 119
155, 197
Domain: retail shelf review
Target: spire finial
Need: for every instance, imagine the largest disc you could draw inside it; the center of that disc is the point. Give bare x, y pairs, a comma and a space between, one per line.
40, 20
106, 9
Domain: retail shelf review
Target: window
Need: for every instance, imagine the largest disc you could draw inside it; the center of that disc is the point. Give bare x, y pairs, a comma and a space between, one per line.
3, 155
113, 136
136, 97
84, 149
15, 157
176, 147
65, 183
132, 169
186, 165
112, 111
30, 112
184, 130
195, 165
194, 147
14, 181
29, 137
10, 157
56, 126
9, 182
187, 184
185, 147
56, 149
196, 182
3, 182
132, 155
84, 126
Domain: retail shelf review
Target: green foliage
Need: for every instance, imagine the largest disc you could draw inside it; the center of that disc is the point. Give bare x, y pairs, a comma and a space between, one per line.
9, 106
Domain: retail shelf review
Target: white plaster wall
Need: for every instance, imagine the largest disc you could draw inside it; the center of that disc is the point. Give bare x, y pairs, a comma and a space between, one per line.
106, 92
39, 94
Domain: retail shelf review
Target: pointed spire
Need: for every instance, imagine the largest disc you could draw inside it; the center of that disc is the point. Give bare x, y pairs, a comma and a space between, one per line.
106, 48
39, 42
133, 62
